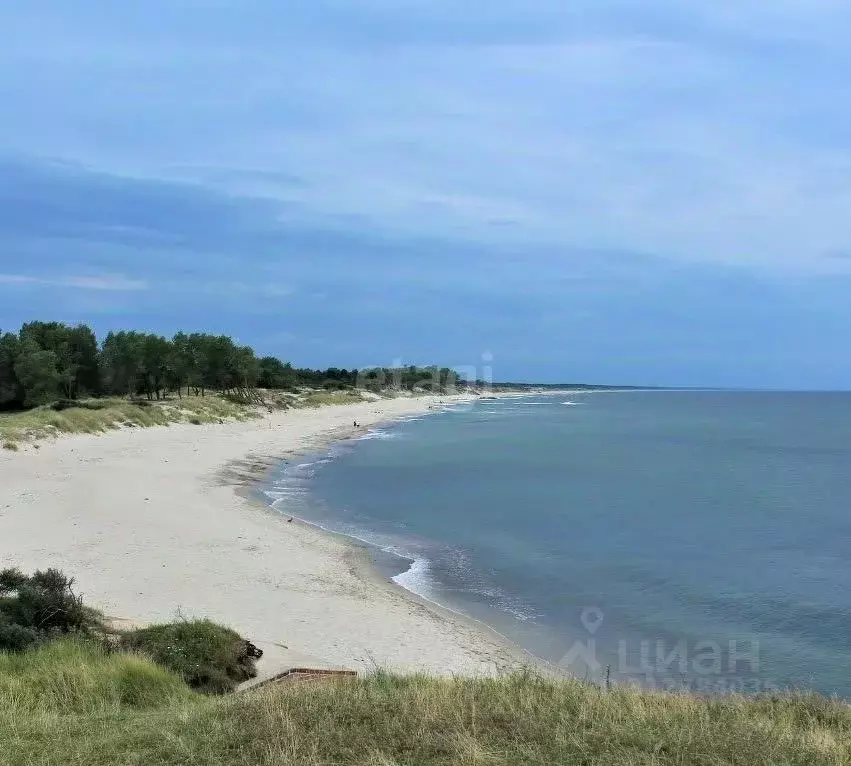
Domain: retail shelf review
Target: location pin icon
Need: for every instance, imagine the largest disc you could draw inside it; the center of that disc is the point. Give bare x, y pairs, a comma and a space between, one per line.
592, 619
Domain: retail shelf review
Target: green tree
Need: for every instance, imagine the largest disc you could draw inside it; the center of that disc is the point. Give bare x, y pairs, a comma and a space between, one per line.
11, 391
122, 362
215, 358
273, 373
50, 359
156, 353
84, 355
244, 370
76, 354
196, 358
179, 363
38, 374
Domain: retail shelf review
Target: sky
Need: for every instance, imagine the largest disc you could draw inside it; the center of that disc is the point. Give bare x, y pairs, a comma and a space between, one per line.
644, 192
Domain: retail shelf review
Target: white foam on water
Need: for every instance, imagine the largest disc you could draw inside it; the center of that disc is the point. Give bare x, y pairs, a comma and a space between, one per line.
519, 614
411, 419
495, 597
282, 493
416, 578
306, 469
376, 435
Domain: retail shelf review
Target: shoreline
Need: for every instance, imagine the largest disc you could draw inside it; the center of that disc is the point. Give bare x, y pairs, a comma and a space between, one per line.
362, 554
361, 558
158, 523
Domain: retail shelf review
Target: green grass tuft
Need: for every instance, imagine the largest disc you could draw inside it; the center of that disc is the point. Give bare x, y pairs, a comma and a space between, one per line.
77, 677
209, 657
11, 446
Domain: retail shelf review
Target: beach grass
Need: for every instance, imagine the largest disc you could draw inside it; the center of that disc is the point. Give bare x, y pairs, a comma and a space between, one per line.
72, 704
79, 679
98, 415
321, 398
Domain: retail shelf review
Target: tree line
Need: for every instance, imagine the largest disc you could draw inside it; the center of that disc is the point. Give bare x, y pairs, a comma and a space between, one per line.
48, 361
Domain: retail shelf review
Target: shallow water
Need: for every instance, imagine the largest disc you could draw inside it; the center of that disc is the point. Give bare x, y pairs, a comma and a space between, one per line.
667, 538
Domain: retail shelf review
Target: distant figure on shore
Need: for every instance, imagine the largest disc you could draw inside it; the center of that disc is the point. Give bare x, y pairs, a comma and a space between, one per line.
356, 424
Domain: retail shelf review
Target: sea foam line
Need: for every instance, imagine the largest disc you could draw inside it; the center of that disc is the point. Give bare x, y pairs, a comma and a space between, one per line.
417, 578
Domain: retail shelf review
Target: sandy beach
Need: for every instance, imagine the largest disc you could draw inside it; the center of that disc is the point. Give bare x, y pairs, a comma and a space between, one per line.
156, 523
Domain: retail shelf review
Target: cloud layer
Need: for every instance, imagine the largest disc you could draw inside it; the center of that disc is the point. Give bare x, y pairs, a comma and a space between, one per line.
642, 191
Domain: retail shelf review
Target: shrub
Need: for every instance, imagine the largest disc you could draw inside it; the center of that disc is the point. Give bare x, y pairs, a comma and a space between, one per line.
17, 638
210, 658
11, 446
67, 404
36, 608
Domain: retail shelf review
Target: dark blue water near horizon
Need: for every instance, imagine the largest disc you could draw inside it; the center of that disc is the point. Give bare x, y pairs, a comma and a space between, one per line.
696, 539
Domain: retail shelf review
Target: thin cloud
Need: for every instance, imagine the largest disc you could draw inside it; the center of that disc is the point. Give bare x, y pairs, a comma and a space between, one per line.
111, 283
117, 283
716, 134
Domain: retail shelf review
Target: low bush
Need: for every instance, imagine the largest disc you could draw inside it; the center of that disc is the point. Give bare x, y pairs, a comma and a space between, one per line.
209, 657
80, 404
40, 607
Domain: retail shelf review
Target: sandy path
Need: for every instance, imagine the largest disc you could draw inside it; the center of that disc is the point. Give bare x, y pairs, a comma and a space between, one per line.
152, 524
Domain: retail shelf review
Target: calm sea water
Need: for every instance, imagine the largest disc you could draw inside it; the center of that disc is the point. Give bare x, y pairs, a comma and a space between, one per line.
675, 538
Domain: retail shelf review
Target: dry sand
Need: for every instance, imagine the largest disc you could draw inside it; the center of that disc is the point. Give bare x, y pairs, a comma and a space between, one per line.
155, 523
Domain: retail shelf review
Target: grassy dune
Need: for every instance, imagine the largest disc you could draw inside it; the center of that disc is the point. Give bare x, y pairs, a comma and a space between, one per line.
317, 398
72, 679
69, 704
98, 415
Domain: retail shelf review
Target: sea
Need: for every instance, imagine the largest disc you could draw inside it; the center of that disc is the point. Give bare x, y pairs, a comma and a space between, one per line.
672, 539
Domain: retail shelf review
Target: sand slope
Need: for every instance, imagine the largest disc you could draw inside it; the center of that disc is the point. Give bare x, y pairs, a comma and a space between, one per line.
152, 524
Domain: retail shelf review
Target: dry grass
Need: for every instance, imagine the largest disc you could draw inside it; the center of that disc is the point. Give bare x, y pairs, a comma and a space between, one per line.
66, 708
322, 398
98, 415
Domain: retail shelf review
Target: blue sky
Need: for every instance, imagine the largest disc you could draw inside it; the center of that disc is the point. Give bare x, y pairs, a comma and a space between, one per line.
649, 192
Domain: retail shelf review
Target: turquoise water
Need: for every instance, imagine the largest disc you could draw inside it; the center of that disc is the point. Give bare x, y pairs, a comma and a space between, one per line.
667, 538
